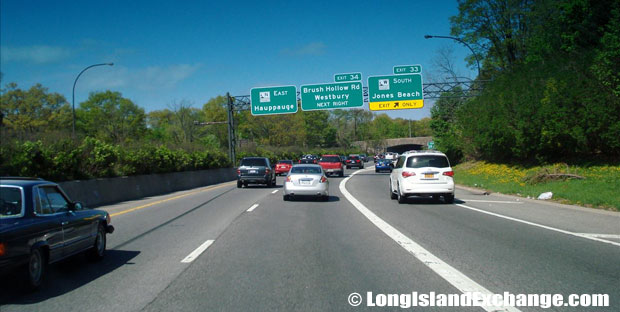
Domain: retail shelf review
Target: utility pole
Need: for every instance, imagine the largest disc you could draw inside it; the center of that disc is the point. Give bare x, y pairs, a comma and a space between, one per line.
409, 127
231, 130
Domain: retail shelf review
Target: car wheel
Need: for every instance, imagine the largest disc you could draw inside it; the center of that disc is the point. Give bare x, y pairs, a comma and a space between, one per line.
401, 199
98, 251
269, 183
449, 198
37, 267
392, 194
239, 184
435, 198
376, 170
286, 197
341, 174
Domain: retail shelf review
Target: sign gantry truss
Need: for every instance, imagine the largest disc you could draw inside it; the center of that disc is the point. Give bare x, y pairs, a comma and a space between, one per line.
431, 90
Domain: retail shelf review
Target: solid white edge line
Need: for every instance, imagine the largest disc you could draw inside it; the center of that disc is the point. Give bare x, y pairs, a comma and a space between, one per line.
192, 256
252, 208
586, 236
274, 192
616, 236
491, 201
446, 271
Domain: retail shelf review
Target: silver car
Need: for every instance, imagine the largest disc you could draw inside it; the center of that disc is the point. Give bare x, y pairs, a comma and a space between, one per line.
306, 180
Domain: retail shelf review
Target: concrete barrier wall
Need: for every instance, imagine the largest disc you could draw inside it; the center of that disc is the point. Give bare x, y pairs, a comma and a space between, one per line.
97, 192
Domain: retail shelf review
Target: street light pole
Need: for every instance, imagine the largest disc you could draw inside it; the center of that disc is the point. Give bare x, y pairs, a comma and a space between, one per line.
73, 93
461, 41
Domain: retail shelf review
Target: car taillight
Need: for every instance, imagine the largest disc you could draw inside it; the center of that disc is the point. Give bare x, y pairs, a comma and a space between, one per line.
407, 174
357, 160
2, 249
238, 171
288, 179
323, 179
449, 173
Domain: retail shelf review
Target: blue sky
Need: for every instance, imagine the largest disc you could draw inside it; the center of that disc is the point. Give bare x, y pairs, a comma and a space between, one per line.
171, 51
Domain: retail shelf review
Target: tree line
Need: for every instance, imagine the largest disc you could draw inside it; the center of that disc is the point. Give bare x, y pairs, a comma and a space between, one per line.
554, 93
114, 136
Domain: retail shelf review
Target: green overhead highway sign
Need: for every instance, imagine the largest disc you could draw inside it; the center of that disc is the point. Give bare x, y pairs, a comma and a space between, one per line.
407, 69
395, 92
332, 95
348, 77
273, 100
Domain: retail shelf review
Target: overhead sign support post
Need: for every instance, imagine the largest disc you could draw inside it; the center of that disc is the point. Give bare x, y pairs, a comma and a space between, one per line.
395, 92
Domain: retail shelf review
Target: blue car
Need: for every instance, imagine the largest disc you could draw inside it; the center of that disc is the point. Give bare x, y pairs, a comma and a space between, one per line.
40, 225
383, 165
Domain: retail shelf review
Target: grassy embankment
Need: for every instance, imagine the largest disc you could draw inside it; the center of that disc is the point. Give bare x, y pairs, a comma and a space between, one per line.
600, 187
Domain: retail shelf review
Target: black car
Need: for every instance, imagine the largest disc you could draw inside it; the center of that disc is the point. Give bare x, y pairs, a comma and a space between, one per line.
255, 170
354, 161
40, 225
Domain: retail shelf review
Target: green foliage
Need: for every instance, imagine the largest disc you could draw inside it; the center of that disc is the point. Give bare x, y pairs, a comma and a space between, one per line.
33, 110
93, 158
598, 189
556, 98
110, 117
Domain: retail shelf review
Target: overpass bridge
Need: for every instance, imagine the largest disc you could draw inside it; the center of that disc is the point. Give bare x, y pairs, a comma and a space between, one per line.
398, 145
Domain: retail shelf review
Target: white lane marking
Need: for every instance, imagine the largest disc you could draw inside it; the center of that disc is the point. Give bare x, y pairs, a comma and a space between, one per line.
192, 256
274, 192
540, 225
447, 272
490, 201
252, 208
601, 235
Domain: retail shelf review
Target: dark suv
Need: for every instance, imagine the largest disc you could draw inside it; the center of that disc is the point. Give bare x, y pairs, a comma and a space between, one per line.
255, 170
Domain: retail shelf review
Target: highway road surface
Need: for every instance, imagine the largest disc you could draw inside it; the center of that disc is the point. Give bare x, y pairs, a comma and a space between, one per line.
220, 248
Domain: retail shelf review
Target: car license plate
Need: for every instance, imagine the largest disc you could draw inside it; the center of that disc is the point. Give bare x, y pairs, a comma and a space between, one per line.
304, 182
428, 175
253, 171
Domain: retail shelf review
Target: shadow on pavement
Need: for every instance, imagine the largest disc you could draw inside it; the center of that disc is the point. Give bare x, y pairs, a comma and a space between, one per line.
305, 198
62, 277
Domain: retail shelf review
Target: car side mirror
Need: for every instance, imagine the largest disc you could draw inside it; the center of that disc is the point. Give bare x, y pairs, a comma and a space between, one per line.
77, 206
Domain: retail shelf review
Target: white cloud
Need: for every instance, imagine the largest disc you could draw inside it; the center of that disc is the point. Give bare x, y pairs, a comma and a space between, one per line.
38, 54
150, 78
313, 48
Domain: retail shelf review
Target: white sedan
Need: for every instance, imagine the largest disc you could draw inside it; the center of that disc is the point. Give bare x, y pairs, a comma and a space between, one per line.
306, 180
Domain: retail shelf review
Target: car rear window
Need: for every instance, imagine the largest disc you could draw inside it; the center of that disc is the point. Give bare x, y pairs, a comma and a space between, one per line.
330, 159
354, 157
289, 162
10, 202
304, 169
435, 161
253, 162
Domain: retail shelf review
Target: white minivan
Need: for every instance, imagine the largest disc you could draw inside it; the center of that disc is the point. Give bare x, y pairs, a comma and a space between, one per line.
422, 173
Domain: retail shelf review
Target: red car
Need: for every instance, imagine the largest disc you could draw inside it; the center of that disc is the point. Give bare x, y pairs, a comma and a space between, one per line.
331, 164
283, 166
